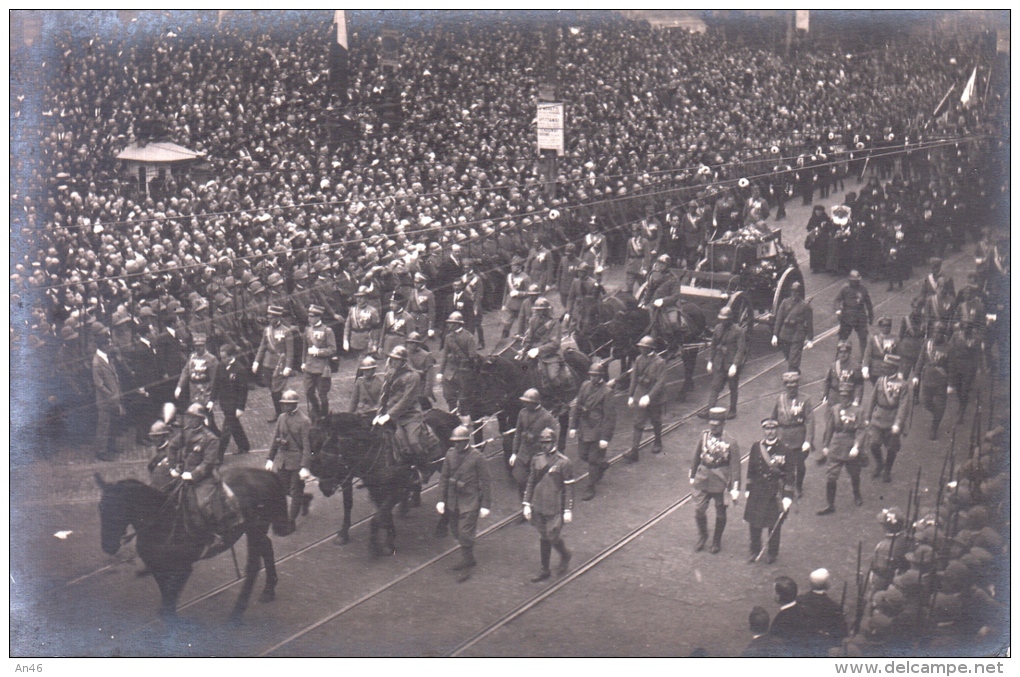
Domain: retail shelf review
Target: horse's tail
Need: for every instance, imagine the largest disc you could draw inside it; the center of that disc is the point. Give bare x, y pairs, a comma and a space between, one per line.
277, 508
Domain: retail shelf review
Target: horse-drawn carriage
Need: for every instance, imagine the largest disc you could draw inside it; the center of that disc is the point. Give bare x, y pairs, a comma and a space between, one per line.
750, 271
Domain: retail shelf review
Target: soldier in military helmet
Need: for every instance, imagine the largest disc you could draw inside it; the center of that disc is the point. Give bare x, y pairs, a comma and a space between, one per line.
367, 389
542, 342
532, 419
890, 554
166, 439
290, 453
887, 417
465, 495
843, 370
583, 300
794, 328
854, 310
459, 352
841, 445
199, 375
647, 395
424, 363
549, 502
728, 350
796, 418
715, 476
592, 423
399, 403
768, 489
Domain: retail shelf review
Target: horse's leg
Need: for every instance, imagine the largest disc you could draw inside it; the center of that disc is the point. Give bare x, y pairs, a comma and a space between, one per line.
344, 537
251, 572
373, 524
269, 561
389, 545
171, 584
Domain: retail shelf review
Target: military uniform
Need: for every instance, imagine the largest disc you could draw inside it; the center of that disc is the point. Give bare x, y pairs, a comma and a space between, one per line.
965, 357
840, 372
275, 358
460, 349
771, 476
465, 487
365, 398
583, 303
648, 379
399, 401
887, 414
516, 286
422, 306
879, 345
550, 494
530, 424
396, 326
794, 325
728, 347
855, 312
593, 416
911, 341
199, 375
844, 432
291, 443
639, 253
932, 372
715, 471
424, 363
796, 419
544, 333
320, 347
361, 330
198, 454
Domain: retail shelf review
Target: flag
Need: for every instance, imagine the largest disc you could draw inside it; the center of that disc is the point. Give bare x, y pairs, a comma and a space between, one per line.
968, 91
338, 58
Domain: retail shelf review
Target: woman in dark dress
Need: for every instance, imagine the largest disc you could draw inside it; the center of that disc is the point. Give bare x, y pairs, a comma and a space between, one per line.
819, 232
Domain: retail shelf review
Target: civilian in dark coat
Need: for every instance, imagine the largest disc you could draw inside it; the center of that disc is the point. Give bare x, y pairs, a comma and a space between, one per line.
822, 615
790, 625
230, 390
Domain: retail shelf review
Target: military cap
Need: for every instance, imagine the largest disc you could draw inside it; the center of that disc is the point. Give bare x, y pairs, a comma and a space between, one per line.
583, 265
68, 334
275, 280
547, 435
791, 378
256, 287
415, 337
796, 286
198, 338
316, 309
855, 276
222, 301
145, 311
196, 409
517, 261
769, 423
885, 320
275, 311
418, 277
597, 367
891, 518
717, 414
844, 345
531, 395
362, 291
646, 342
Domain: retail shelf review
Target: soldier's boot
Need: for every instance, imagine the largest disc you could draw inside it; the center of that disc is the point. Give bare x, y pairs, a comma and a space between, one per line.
890, 457
467, 558
589, 489
935, 429
468, 564
830, 499
545, 548
632, 455
702, 522
277, 407
720, 526
732, 413
481, 336
855, 482
306, 503
963, 406
565, 555
657, 444
755, 544
876, 453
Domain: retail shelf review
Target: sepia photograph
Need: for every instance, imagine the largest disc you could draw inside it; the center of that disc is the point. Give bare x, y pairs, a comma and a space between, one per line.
511, 334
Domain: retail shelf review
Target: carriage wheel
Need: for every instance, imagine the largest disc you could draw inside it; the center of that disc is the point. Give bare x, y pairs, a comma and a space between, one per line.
743, 313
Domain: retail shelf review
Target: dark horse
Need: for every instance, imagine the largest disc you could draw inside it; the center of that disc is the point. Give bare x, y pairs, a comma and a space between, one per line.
169, 543
497, 382
622, 323
348, 446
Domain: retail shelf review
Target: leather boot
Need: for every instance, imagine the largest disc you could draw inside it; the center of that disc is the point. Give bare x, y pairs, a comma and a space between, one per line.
565, 555
589, 489
732, 413
632, 455
855, 482
277, 407
702, 522
720, 525
545, 548
830, 499
934, 430
467, 558
876, 453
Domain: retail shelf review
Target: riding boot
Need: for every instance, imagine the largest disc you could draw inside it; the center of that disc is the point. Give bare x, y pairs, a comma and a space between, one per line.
720, 525
632, 455
545, 548
277, 407
830, 498
702, 522
657, 444
481, 336
732, 413
876, 453
589, 489
565, 555
935, 429
467, 558
890, 457
855, 482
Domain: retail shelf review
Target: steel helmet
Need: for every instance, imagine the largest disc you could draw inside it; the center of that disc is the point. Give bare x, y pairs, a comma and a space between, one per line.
664, 260
531, 395
415, 337
542, 303
844, 346
289, 396
646, 342
367, 362
398, 353
460, 433
455, 317
725, 313
596, 368
158, 429
196, 409
855, 276
547, 435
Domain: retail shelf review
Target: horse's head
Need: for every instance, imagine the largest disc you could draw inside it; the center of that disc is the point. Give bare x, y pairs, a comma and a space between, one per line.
115, 513
337, 444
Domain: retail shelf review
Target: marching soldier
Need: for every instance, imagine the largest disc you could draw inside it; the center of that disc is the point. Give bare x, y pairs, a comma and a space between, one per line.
291, 443
362, 326
274, 357
422, 306
965, 358
396, 324
593, 417
517, 282
320, 347
549, 502
796, 419
794, 328
873, 364
639, 254
647, 394
367, 389
424, 363
715, 476
459, 350
854, 310
887, 415
768, 490
843, 370
728, 350
231, 392
583, 300
465, 495
935, 279
890, 556
596, 250
912, 337
463, 303
531, 421
931, 373
568, 272
199, 375
841, 446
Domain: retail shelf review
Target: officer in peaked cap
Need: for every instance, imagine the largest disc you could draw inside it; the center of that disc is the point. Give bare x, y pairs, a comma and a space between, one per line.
795, 415
715, 476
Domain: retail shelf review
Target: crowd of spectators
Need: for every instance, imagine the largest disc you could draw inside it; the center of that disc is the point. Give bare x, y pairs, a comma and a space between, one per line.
652, 114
